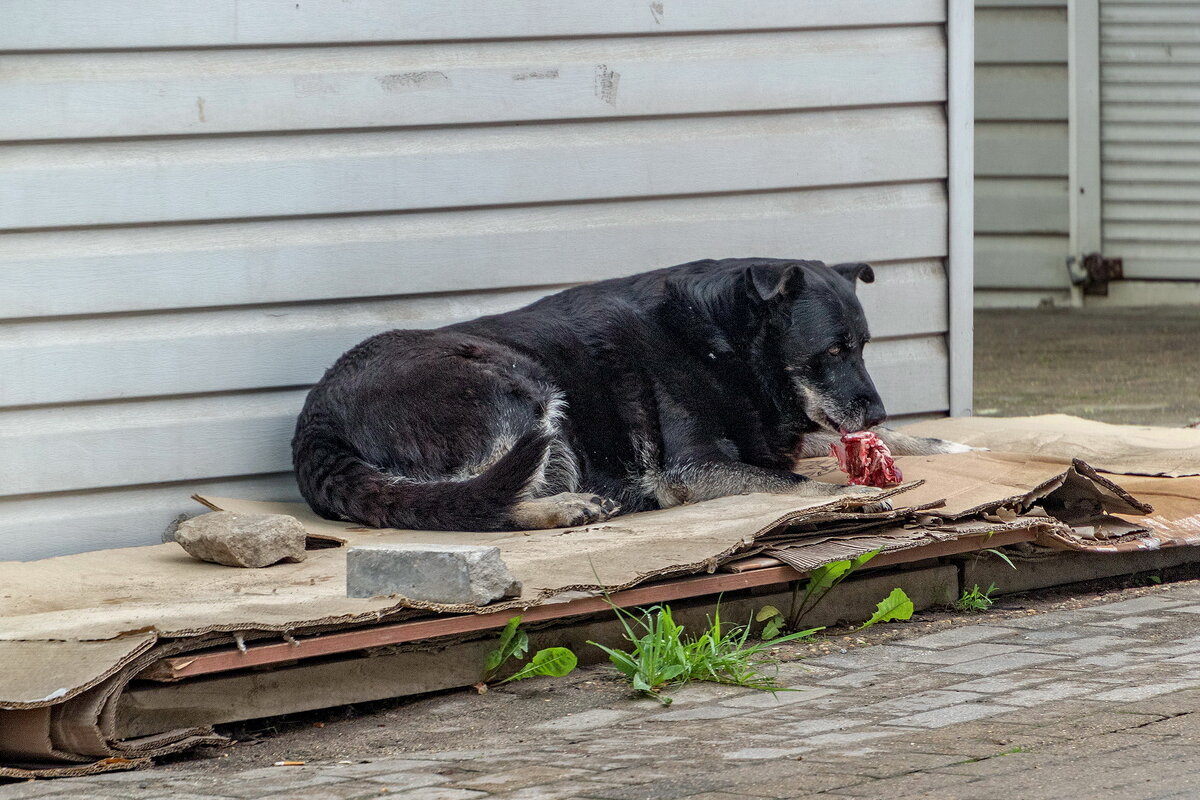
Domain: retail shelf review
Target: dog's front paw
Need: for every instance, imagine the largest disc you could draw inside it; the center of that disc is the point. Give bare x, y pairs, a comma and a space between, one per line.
865, 492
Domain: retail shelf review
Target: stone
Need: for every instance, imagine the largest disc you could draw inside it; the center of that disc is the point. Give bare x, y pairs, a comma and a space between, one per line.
242, 540
454, 574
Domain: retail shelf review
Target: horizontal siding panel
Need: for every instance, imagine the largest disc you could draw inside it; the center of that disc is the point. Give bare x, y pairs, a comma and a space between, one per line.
1163, 113
1130, 14
1153, 152
1150, 172
1020, 35
193, 438
1152, 212
212, 351
1149, 132
1019, 4
1020, 92
184, 92
1165, 33
1026, 262
1182, 234
1163, 263
1148, 53
44, 526
1119, 73
90, 184
1142, 191
94, 24
1148, 93
1027, 205
911, 374
78, 272
1026, 149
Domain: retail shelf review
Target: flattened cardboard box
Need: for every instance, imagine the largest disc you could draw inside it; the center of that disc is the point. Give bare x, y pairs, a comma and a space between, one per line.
73, 653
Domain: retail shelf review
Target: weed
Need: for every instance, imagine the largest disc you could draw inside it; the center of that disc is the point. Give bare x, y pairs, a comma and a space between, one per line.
820, 582
514, 643
662, 655
1001, 556
896, 605
974, 600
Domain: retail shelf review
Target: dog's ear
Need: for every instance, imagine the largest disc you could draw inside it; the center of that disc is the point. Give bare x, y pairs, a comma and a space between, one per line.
855, 273
773, 281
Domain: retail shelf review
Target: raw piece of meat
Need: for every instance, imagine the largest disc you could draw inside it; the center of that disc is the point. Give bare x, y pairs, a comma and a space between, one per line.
866, 459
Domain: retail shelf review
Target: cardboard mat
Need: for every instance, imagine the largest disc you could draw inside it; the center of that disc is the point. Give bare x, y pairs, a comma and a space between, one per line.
75, 630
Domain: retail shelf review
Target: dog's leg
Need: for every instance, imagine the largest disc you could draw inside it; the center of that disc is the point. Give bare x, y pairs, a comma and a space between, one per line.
901, 444
692, 482
564, 510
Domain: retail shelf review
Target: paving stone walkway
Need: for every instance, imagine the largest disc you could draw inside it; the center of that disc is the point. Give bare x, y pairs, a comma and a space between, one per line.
1096, 702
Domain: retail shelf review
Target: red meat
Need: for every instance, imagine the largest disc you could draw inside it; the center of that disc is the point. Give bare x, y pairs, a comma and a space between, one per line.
866, 460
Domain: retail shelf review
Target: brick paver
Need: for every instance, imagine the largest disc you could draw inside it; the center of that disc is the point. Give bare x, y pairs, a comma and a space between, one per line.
1101, 701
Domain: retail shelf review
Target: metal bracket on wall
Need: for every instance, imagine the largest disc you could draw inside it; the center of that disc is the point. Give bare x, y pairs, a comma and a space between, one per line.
1094, 272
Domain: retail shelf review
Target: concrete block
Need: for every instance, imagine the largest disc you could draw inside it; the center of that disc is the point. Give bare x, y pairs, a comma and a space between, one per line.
242, 540
454, 574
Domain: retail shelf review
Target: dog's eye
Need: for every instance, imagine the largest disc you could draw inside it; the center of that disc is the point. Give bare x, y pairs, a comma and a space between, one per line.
834, 351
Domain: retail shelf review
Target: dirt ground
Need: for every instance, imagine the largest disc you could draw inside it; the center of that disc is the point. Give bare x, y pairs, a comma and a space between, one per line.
1131, 366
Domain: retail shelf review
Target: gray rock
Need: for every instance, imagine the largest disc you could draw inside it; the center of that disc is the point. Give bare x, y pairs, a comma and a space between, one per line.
455, 574
242, 540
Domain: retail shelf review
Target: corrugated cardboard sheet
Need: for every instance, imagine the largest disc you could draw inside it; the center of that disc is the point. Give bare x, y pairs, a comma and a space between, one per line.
76, 629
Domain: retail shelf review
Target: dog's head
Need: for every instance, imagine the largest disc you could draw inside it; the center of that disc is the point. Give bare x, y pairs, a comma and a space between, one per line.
821, 334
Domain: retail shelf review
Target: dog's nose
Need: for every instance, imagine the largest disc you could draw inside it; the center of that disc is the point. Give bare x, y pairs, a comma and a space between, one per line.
875, 414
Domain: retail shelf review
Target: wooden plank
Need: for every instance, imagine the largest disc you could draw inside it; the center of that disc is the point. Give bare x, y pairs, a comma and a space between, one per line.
1024, 149
162, 181
104, 271
194, 438
93, 95
1026, 205
1021, 92
96, 24
1021, 262
230, 659
1029, 35
60, 361
44, 526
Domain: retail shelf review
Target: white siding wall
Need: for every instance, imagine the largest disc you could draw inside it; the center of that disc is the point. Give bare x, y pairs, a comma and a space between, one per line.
1021, 161
203, 204
1150, 137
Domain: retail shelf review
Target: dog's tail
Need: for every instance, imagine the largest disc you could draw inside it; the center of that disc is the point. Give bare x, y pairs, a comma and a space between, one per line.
338, 484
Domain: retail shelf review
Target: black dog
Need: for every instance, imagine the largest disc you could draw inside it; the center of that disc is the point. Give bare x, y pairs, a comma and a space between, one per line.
683, 384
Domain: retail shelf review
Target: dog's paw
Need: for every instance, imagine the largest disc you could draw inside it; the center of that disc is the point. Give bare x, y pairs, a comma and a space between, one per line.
566, 510
865, 492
